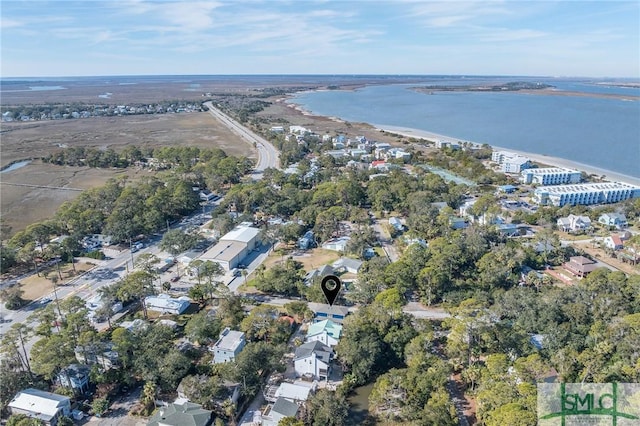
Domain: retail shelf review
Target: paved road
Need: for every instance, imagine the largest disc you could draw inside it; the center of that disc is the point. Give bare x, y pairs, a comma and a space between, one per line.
385, 243
268, 155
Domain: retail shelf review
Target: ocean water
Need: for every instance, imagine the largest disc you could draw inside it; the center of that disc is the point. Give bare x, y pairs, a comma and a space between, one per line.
600, 132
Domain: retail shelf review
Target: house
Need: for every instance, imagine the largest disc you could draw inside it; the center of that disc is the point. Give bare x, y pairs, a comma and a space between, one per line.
136, 324
102, 354
228, 346
313, 360
441, 144
75, 377
279, 410
326, 331
277, 129
307, 241
615, 220
580, 266
206, 195
507, 189
296, 393
185, 414
45, 406
320, 272
573, 223
336, 244
613, 242
165, 304
345, 264
322, 311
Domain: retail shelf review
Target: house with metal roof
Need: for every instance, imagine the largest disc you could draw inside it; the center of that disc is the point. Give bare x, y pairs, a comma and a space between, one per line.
228, 346
614, 220
322, 311
327, 332
313, 360
38, 404
185, 414
345, 264
166, 304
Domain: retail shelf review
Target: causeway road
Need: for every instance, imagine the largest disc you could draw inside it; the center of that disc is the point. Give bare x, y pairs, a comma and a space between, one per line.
267, 153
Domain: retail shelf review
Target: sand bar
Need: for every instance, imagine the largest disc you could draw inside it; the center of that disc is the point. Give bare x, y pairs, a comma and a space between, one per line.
538, 158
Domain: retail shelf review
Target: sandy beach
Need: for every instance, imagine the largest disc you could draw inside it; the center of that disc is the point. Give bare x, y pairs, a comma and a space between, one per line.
609, 175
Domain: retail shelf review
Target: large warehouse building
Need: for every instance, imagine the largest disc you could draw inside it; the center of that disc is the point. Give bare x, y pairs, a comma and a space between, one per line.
233, 247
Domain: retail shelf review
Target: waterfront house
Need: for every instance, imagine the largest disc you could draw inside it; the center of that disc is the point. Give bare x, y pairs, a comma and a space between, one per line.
313, 360
327, 332
279, 410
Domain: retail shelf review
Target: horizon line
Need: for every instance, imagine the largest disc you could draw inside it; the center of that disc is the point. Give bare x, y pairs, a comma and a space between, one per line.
352, 75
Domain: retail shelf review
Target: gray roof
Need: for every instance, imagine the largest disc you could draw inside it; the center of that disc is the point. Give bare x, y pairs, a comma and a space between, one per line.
308, 348
285, 407
187, 414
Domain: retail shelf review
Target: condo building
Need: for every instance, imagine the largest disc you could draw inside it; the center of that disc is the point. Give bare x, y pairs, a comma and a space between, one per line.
550, 176
585, 194
510, 162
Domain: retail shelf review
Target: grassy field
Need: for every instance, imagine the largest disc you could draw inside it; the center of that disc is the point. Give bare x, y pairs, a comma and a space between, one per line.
22, 205
35, 286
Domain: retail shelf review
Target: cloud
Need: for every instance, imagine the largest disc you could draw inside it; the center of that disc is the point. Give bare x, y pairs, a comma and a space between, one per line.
10, 23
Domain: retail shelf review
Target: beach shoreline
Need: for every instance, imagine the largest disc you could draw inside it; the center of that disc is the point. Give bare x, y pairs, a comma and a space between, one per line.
604, 174
608, 175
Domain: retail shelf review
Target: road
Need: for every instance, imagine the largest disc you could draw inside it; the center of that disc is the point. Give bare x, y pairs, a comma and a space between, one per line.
268, 156
385, 243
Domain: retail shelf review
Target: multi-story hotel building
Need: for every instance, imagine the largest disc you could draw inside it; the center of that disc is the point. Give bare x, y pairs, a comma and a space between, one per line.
550, 176
585, 194
510, 162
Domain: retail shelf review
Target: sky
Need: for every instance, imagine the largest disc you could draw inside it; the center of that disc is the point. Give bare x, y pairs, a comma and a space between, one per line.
137, 37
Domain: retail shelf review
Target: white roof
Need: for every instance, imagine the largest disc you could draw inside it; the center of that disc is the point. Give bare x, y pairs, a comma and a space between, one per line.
293, 392
229, 340
242, 234
165, 302
44, 403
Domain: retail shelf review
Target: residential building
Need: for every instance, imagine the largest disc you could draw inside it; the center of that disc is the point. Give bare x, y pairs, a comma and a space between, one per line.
613, 242
507, 189
101, 354
510, 162
441, 144
326, 331
313, 360
233, 247
322, 311
550, 176
37, 404
231, 389
336, 244
574, 223
297, 393
318, 273
580, 266
184, 414
307, 241
165, 304
585, 194
614, 220
298, 130
345, 264
277, 129
279, 410
228, 346
74, 377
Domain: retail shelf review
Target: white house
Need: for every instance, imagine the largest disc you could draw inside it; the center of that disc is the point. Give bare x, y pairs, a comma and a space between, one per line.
293, 392
313, 360
616, 220
45, 406
574, 223
395, 222
327, 332
336, 244
345, 264
166, 304
228, 346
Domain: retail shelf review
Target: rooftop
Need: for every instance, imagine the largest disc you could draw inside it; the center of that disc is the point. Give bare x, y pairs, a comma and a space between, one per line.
225, 250
333, 329
187, 414
242, 234
284, 407
586, 187
549, 170
229, 340
293, 392
44, 403
306, 349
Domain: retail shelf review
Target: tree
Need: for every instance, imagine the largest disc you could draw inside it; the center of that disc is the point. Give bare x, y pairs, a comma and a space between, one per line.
136, 286
12, 297
13, 345
100, 406
202, 328
290, 421
24, 420
176, 241
148, 396
326, 408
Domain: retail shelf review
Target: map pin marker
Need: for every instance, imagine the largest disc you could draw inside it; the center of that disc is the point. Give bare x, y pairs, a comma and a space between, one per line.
331, 287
